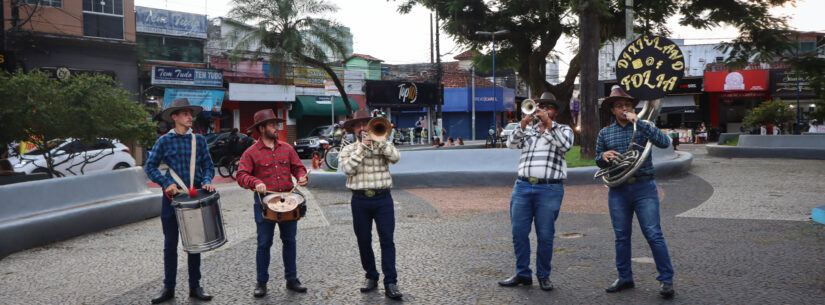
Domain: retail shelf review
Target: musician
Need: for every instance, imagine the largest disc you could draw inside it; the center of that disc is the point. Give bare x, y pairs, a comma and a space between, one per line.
174, 149
366, 164
269, 165
538, 191
638, 195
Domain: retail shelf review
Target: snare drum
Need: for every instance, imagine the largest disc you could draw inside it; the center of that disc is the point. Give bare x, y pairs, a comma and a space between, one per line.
199, 221
284, 206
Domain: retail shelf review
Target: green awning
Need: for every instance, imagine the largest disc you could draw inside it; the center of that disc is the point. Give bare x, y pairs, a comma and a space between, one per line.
307, 105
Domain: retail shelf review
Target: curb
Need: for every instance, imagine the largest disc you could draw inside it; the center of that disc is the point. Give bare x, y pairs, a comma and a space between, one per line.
724, 151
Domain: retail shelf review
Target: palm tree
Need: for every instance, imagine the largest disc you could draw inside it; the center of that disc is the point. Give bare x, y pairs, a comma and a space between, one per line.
286, 32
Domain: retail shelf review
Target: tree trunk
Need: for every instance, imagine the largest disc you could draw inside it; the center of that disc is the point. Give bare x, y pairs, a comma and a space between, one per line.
317, 63
589, 49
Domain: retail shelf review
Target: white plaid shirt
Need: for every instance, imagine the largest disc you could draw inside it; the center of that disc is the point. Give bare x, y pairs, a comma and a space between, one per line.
542, 155
368, 169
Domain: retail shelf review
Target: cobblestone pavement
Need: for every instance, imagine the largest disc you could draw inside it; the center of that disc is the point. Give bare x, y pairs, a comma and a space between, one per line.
455, 253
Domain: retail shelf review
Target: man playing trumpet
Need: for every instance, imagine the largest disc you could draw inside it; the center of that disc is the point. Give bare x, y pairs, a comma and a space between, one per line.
538, 192
366, 164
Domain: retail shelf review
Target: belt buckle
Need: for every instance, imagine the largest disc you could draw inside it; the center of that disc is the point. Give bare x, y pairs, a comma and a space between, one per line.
631, 180
533, 180
369, 193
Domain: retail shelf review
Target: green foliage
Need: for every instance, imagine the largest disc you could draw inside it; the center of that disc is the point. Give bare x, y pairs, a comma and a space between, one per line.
36, 109
574, 158
769, 112
732, 142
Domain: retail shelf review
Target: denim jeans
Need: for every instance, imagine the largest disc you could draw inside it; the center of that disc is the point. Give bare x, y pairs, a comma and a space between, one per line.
539, 203
266, 232
170, 249
380, 209
641, 198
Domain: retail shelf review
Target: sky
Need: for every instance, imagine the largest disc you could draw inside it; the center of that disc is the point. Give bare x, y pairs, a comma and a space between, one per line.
379, 30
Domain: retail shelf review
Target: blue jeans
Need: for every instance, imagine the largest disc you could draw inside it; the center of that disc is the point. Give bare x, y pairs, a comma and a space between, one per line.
170, 249
641, 198
266, 232
380, 209
539, 203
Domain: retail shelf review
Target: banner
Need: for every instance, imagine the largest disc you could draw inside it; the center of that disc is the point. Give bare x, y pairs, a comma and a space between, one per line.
210, 100
745, 80
650, 67
163, 22
313, 77
186, 76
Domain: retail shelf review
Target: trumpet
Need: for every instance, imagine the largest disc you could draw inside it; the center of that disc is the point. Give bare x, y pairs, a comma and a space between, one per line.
529, 107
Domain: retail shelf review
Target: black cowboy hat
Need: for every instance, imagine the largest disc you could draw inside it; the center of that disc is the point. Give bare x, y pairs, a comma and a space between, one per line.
547, 98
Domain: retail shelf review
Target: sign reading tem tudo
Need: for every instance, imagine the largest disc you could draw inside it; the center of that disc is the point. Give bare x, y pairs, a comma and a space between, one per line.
186, 76
650, 67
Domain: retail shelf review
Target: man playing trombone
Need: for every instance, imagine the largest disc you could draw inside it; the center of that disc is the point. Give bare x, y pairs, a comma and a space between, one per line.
366, 164
538, 192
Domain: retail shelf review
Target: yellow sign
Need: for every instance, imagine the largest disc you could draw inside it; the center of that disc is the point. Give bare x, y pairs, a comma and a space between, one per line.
313, 77
650, 67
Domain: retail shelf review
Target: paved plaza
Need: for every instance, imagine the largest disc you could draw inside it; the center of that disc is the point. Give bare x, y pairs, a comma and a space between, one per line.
738, 232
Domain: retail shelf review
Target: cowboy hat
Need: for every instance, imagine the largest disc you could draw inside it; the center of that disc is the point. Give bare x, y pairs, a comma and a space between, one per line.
359, 116
617, 93
263, 116
549, 99
178, 104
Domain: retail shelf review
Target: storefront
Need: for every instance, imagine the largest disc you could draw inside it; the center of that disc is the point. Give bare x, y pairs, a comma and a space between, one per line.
684, 107
310, 111
246, 99
405, 102
733, 94
790, 87
458, 110
202, 87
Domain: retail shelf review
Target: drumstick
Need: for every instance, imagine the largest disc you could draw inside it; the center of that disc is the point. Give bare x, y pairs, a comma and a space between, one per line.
294, 186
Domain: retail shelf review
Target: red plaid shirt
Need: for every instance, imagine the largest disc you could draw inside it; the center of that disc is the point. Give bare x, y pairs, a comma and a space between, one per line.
271, 166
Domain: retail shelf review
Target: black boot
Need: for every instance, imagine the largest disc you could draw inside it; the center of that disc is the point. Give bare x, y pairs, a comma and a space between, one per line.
369, 285
620, 285
546, 284
667, 290
392, 292
295, 285
516, 280
260, 290
165, 295
197, 293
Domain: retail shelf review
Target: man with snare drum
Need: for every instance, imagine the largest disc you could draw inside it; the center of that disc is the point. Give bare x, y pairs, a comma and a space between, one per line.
269, 165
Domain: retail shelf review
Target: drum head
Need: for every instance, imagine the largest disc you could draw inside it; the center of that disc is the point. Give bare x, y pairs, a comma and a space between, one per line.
283, 202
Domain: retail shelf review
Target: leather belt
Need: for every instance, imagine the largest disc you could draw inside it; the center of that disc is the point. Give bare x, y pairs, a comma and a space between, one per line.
635, 179
370, 192
534, 180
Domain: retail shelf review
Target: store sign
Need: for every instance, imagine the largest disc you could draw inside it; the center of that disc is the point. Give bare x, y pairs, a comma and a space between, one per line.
745, 80
210, 100
312, 77
405, 94
63, 73
650, 67
186, 76
323, 100
787, 83
163, 22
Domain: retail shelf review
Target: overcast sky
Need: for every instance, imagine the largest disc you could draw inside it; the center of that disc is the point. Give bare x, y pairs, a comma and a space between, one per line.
379, 30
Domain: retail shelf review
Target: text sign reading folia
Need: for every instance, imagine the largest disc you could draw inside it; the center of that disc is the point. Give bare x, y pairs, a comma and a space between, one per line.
650, 67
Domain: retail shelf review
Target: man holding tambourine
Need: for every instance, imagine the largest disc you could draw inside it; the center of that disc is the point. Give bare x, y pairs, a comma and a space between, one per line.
268, 166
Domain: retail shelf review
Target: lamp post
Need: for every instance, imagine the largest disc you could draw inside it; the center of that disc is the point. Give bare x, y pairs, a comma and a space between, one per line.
495, 96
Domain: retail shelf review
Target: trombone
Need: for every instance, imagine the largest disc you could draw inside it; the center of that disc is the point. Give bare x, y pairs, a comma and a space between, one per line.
378, 130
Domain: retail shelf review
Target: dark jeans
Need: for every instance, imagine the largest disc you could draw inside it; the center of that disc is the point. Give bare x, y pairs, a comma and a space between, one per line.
539, 203
380, 209
266, 231
641, 198
170, 250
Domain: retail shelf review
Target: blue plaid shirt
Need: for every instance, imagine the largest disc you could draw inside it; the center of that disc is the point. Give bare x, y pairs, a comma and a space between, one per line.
615, 137
175, 150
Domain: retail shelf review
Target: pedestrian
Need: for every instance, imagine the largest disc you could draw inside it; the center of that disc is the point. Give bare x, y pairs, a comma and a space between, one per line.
366, 164
450, 142
538, 191
460, 141
638, 195
174, 149
269, 165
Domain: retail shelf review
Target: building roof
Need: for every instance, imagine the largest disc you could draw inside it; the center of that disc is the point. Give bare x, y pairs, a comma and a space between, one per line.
465, 55
364, 57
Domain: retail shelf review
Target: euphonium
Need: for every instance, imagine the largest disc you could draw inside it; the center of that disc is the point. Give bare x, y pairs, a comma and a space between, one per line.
378, 129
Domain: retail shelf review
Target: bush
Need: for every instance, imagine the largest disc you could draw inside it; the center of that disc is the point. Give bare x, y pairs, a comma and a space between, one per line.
767, 113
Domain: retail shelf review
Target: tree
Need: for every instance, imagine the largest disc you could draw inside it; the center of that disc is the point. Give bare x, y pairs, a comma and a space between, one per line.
769, 113
537, 25
37, 109
285, 31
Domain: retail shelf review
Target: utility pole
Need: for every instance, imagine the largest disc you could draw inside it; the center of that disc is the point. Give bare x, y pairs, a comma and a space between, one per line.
473, 101
628, 22
438, 75
589, 48
431, 38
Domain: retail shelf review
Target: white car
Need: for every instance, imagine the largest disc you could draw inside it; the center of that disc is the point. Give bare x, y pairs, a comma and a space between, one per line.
108, 155
505, 133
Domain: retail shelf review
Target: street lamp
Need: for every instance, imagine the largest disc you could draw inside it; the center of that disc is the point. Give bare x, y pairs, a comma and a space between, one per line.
495, 96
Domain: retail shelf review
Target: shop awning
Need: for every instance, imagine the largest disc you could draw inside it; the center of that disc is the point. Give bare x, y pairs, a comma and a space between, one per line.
310, 105
674, 104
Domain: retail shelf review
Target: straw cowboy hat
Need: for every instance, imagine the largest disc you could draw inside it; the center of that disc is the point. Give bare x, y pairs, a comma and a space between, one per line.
549, 99
263, 116
178, 104
617, 93
359, 116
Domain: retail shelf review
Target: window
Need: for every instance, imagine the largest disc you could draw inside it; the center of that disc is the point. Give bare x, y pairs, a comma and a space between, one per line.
49, 3
169, 48
103, 18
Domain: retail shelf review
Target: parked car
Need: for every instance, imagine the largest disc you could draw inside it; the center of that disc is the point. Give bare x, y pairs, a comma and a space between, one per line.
308, 145
107, 155
505, 133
